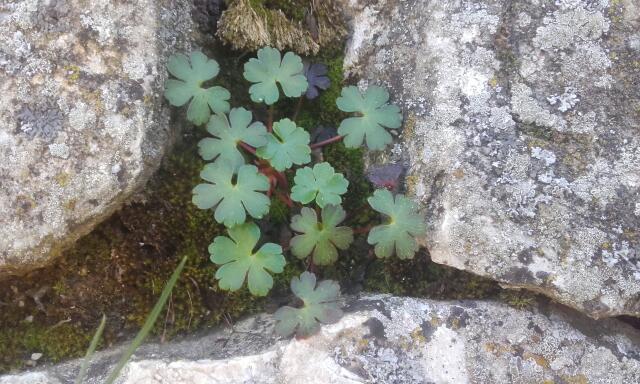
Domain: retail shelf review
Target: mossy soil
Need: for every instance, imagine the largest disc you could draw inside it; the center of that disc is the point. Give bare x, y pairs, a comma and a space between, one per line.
120, 268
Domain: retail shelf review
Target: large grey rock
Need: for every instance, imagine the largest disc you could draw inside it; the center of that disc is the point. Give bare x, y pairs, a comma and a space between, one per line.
522, 136
82, 120
385, 339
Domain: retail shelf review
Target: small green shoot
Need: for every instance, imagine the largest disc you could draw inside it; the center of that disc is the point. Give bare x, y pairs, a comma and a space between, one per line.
375, 115
399, 233
320, 305
323, 238
92, 349
321, 184
191, 73
239, 262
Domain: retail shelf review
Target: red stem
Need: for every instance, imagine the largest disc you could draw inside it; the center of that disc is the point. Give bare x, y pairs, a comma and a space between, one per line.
326, 142
285, 199
282, 179
247, 148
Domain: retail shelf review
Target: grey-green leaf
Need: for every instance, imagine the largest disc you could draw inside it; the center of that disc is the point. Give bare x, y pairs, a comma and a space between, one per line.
228, 133
403, 226
191, 73
375, 116
320, 306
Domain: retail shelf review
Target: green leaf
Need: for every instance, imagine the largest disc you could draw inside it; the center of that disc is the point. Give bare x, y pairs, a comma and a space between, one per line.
400, 231
320, 305
229, 132
239, 262
148, 323
231, 199
191, 73
268, 70
375, 114
92, 349
320, 238
287, 145
321, 183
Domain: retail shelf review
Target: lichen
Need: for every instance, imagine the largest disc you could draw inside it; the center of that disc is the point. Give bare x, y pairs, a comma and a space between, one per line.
44, 121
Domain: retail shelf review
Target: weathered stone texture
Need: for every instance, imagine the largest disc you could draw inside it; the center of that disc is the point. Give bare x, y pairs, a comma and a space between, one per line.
82, 120
522, 136
388, 340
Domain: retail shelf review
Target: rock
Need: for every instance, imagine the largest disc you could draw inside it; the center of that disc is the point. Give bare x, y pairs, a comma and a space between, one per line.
522, 135
384, 339
83, 123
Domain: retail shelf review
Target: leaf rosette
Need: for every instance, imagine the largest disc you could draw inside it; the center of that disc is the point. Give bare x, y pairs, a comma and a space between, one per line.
238, 261
228, 133
287, 145
270, 69
375, 115
399, 233
320, 183
232, 200
191, 73
320, 305
320, 239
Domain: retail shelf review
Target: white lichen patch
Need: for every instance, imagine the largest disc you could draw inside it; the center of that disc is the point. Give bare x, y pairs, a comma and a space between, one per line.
59, 150
522, 143
565, 101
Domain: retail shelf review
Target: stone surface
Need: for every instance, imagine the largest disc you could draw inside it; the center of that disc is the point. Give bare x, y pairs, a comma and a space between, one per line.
82, 119
522, 137
384, 339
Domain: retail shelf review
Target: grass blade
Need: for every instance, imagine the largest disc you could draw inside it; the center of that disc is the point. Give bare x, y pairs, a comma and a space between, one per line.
91, 350
148, 324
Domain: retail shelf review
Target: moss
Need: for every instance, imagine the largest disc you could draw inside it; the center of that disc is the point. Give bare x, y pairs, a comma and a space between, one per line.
518, 299
56, 343
300, 25
420, 277
279, 213
323, 110
350, 162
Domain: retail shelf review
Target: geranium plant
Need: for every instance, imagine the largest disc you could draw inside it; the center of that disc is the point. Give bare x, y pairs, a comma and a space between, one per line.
252, 161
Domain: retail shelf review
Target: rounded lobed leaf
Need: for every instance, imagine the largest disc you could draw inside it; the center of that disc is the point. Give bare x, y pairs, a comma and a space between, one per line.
376, 115
231, 199
404, 224
270, 69
321, 239
287, 145
228, 132
321, 183
191, 73
320, 306
238, 262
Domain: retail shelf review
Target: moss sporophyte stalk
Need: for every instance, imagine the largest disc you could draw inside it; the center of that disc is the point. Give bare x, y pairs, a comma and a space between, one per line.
253, 161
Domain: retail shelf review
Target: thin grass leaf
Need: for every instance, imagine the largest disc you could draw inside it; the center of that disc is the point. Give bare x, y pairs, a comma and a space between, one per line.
148, 324
91, 350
